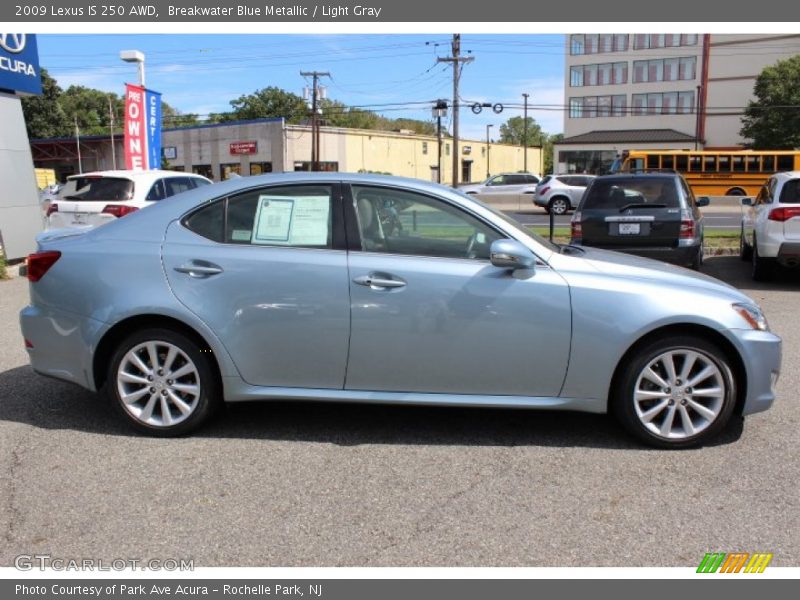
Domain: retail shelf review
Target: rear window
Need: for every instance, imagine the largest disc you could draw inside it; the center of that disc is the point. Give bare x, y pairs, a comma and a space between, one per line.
87, 189
790, 193
546, 179
618, 193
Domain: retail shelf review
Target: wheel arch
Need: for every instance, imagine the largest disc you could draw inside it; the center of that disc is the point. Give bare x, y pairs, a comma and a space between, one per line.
119, 331
701, 331
736, 191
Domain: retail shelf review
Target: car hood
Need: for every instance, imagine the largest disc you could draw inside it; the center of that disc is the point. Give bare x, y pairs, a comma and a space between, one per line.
626, 266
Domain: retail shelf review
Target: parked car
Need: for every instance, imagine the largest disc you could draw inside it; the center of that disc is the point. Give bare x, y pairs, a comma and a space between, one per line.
504, 183
92, 199
654, 215
358, 288
561, 193
771, 226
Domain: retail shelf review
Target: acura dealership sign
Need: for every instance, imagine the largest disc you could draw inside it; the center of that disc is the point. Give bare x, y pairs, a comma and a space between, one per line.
19, 64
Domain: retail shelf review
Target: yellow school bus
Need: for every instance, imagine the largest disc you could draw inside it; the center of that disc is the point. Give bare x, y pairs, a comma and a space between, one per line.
714, 173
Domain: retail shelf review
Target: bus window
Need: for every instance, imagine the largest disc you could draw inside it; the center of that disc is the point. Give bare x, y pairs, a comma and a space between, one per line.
737, 164
710, 164
724, 163
695, 166
753, 164
667, 161
652, 161
637, 164
785, 163
681, 163
768, 163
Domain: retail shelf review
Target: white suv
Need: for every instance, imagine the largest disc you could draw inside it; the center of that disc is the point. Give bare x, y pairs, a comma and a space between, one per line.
561, 193
771, 226
92, 199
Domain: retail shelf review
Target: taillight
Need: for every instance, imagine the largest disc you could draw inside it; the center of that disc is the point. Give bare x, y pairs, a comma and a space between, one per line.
52, 208
38, 264
119, 210
576, 228
784, 213
687, 226
544, 190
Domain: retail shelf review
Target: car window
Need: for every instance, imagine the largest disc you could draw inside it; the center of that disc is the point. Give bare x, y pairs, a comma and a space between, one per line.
530, 179
156, 192
546, 179
687, 191
771, 184
296, 216
91, 188
199, 181
580, 181
516, 180
177, 185
499, 180
618, 193
763, 195
790, 193
400, 222
565, 180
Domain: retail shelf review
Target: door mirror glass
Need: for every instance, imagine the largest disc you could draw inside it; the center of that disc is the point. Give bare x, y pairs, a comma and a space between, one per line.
510, 254
703, 201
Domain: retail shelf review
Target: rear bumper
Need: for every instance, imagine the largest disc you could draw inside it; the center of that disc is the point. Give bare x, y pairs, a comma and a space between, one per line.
682, 255
761, 355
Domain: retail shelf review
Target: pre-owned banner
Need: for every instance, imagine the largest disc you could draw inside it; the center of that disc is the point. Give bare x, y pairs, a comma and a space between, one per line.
142, 128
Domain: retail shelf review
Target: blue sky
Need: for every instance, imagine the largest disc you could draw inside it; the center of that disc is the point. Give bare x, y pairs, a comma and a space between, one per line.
202, 73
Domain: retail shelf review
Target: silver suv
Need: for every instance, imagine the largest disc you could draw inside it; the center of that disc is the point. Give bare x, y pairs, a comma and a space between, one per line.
561, 193
504, 183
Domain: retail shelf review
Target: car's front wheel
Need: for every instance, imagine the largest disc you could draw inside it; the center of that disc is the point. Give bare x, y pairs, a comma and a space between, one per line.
162, 382
675, 392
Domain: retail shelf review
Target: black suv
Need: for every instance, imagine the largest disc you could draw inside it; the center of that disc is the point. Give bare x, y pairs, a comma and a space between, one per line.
654, 215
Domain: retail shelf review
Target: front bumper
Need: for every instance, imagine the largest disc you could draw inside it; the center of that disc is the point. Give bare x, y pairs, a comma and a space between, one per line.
761, 355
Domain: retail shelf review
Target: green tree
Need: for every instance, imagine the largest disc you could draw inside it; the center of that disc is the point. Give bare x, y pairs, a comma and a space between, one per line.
44, 117
172, 117
266, 102
513, 132
91, 108
547, 150
773, 119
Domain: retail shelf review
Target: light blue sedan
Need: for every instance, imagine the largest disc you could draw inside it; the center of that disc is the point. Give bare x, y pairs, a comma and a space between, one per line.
340, 287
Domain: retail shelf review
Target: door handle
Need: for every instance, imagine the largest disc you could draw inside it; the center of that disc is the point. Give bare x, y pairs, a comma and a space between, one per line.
199, 269
376, 281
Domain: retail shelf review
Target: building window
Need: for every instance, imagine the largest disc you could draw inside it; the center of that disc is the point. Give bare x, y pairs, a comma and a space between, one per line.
204, 170
597, 44
597, 106
226, 170
257, 168
666, 103
329, 166
664, 69
600, 74
424, 147
643, 41
447, 149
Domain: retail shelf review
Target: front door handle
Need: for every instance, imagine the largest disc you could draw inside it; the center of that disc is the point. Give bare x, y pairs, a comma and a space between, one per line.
199, 269
378, 281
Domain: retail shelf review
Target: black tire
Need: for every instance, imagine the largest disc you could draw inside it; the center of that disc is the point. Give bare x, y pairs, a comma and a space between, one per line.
697, 262
763, 268
624, 406
745, 249
203, 403
736, 192
559, 205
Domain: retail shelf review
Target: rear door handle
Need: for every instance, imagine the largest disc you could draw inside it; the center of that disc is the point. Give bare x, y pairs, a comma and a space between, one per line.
379, 281
199, 269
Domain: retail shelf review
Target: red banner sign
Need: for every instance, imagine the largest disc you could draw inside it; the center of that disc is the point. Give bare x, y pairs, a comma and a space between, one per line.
250, 147
135, 128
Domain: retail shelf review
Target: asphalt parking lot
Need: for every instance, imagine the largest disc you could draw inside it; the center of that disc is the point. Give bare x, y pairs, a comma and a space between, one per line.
323, 485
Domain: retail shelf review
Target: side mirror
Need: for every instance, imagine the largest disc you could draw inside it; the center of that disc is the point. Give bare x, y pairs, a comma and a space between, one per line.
510, 254
747, 202
703, 201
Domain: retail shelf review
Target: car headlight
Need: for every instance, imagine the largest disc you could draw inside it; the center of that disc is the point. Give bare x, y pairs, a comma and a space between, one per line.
753, 315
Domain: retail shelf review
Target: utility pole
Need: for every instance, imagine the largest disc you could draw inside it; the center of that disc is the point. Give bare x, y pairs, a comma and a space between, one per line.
315, 97
488, 148
78, 144
525, 135
439, 111
456, 60
111, 129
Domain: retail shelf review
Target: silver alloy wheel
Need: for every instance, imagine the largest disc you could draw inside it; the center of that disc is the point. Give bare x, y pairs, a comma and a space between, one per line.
559, 206
679, 394
158, 384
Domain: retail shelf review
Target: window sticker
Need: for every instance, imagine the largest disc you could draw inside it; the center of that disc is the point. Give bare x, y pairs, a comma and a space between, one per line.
301, 221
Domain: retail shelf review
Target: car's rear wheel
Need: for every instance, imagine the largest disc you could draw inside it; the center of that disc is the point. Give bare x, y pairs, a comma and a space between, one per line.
559, 205
675, 392
162, 383
763, 268
745, 249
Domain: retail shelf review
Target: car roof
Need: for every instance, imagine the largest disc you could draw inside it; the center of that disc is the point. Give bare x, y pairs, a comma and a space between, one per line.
628, 176
149, 175
787, 175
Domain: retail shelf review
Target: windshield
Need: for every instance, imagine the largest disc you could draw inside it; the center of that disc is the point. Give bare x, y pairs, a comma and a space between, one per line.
88, 189
541, 240
791, 192
618, 194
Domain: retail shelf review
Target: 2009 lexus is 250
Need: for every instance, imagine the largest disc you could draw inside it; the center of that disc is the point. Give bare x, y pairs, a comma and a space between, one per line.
358, 288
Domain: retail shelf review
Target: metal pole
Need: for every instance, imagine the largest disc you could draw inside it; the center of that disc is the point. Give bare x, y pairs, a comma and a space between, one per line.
488, 150
78, 144
697, 120
141, 72
525, 135
111, 128
439, 151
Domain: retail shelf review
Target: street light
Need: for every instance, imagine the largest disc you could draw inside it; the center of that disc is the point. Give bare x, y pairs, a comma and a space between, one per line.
488, 149
135, 56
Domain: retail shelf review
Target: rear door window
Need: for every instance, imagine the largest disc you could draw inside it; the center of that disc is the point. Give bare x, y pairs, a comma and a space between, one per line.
156, 192
178, 185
